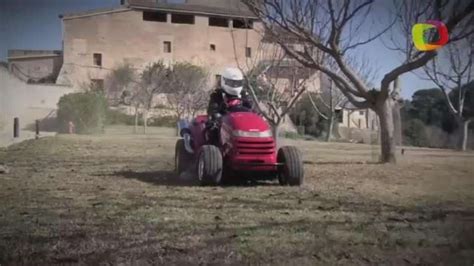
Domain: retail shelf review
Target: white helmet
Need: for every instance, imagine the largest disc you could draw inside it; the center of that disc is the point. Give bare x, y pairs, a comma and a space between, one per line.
232, 81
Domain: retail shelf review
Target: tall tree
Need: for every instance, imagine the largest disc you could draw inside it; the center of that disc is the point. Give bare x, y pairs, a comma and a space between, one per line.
122, 89
153, 81
186, 93
276, 82
130, 86
325, 103
453, 73
329, 29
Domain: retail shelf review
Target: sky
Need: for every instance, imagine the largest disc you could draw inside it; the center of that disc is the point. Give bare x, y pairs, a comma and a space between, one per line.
34, 24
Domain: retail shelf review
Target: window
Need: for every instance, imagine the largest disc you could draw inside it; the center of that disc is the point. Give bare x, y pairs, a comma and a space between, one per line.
97, 84
218, 22
361, 112
154, 16
338, 115
248, 52
176, 1
243, 24
97, 59
218, 79
212, 47
182, 19
167, 47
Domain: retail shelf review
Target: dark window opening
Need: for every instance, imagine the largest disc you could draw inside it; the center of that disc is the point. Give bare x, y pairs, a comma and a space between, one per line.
97, 59
154, 16
361, 112
97, 84
212, 47
167, 47
218, 80
176, 1
243, 24
182, 19
248, 52
338, 115
218, 22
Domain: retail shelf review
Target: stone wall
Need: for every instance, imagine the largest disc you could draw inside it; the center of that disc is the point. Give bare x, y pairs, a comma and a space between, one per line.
122, 36
28, 102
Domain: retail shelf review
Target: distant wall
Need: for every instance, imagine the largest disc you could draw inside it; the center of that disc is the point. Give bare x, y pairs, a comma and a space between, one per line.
123, 36
34, 69
26, 101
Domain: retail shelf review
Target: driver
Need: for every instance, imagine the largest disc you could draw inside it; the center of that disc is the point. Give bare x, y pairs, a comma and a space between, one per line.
230, 86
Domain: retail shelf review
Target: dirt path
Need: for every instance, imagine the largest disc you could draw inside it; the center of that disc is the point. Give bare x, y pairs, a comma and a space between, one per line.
115, 199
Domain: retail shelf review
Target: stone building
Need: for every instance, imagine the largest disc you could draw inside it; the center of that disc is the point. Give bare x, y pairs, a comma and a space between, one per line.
356, 124
211, 33
35, 66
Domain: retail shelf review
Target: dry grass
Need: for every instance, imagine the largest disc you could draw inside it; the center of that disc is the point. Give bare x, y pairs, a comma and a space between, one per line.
114, 199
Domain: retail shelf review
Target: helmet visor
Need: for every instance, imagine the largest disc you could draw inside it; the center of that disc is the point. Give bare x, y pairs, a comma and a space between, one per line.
233, 83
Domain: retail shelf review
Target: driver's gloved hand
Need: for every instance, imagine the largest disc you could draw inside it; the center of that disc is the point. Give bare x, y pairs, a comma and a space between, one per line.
211, 124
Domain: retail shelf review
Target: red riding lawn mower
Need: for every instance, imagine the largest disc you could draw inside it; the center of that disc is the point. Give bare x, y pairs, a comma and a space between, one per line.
244, 148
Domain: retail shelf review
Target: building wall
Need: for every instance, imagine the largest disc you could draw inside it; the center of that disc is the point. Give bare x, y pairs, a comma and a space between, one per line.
124, 37
362, 119
28, 102
35, 68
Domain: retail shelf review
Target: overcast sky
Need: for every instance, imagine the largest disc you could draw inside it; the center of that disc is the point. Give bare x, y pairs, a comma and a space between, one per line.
34, 24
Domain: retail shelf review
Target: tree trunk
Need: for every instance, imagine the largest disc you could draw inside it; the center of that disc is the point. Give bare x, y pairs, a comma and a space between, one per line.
276, 133
397, 122
135, 128
387, 140
145, 119
330, 127
465, 134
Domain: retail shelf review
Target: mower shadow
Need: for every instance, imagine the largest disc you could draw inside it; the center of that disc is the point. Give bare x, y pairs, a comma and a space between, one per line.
169, 178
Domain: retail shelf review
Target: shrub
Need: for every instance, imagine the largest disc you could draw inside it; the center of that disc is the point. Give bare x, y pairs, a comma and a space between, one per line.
163, 121
87, 110
414, 133
116, 117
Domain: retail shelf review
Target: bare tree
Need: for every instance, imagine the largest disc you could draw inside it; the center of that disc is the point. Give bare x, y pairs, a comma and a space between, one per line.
275, 83
453, 72
331, 29
122, 88
129, 86
186, 94
329, 98
153, 81
273, 100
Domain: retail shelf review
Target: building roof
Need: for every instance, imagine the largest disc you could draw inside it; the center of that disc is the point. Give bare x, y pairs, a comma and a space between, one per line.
230, 8
94, 12
25, 54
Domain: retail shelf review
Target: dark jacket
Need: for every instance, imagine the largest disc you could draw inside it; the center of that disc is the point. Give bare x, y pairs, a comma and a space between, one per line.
217, 105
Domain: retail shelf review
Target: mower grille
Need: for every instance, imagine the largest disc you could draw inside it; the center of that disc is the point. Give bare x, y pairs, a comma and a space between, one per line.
255, 147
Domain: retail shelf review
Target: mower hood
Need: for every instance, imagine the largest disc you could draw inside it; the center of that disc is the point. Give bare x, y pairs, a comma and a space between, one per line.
247, 121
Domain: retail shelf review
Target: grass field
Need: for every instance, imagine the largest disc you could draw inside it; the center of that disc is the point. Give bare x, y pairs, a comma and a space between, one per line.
114, 199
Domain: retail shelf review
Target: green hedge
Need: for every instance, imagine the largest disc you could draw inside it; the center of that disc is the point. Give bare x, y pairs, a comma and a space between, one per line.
87, 110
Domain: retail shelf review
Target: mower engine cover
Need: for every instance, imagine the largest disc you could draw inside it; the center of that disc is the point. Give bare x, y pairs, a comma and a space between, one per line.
247, 142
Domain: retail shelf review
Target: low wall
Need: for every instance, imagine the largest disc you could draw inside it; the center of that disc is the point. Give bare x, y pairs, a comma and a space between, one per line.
28, 102
358, 135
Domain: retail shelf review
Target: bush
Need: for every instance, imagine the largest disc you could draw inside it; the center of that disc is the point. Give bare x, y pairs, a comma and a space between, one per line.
163, 121
87, 110
414, 133
116, 117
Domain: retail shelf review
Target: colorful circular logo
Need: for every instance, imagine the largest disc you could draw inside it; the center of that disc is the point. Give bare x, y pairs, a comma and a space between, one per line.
426, 42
